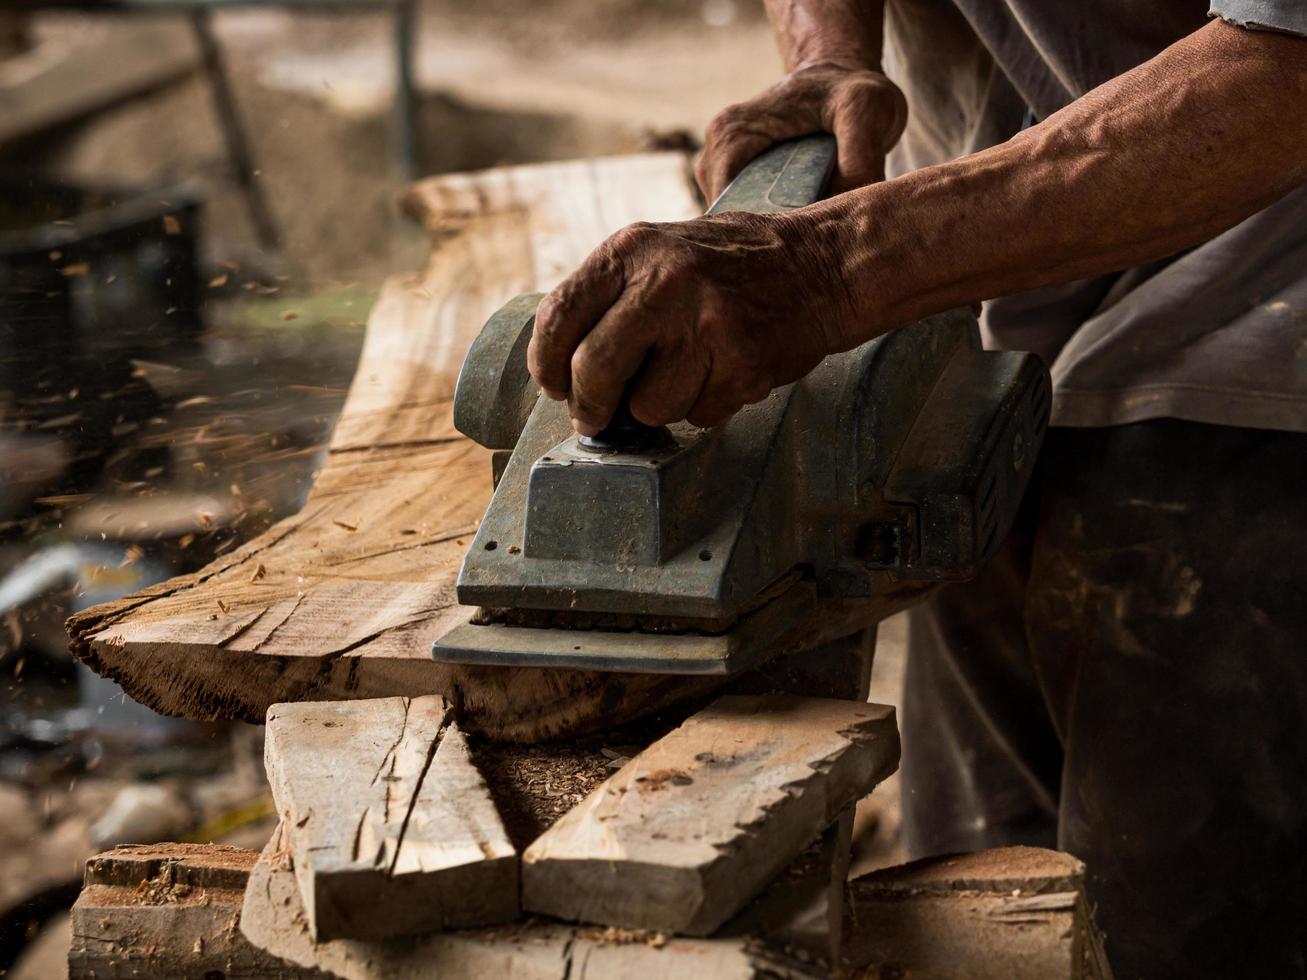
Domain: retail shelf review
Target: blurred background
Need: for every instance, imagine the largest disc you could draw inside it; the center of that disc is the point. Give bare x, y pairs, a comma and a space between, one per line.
197, 207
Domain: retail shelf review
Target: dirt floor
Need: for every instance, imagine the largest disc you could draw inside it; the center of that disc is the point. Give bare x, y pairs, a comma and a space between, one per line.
238, 421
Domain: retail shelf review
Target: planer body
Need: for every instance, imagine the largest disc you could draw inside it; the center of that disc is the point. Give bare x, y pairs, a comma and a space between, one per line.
831, 503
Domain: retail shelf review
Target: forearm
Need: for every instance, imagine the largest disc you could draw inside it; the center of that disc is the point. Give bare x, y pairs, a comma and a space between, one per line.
1155, 161
842, 32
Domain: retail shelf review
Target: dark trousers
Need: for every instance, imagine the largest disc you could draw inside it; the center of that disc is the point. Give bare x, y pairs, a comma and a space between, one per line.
1128, 681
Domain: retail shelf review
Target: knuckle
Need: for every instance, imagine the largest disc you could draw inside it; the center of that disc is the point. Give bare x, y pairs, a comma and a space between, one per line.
591, 363
726, 121
633, 238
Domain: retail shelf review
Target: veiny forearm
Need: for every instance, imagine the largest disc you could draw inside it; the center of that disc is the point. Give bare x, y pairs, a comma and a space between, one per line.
841, 32
1158, 160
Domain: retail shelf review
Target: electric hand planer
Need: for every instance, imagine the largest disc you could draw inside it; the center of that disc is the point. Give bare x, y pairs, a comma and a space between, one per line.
832, 503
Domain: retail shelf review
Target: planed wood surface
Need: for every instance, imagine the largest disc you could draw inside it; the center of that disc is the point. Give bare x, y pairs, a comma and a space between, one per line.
693, 827
167, 911
1012, 913
391, 827
272, 919
344, 599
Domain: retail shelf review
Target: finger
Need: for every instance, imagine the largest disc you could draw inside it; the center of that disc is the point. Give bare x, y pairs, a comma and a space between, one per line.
739, 133
606, 360
723, 161
568, 314
866, 120
859, 158
719, 399
667, 385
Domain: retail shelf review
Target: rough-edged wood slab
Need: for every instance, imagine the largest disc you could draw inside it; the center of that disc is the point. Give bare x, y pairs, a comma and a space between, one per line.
272, 918
692, 828
391, 827
344, 599
168, 911
1013, 913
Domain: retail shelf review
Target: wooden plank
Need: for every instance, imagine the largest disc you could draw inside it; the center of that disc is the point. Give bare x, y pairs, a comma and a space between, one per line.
272, 918
391, 827
344, 599
168, 911
131, 59
692, 828
1015, 913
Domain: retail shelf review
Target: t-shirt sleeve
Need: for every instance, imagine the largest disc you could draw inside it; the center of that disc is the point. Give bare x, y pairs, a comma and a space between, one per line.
1286, 16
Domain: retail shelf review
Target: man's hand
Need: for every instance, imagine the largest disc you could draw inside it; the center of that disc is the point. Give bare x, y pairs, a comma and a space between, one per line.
864, 109
698, 318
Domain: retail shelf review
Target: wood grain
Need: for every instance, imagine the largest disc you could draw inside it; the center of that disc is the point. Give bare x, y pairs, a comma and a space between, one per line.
344, 599
692, 828
391, 827
167, 911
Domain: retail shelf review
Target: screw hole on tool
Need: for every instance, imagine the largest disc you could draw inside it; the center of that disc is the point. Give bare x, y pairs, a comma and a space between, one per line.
514, 549
546, 459
576, 648
705, 555
491, 545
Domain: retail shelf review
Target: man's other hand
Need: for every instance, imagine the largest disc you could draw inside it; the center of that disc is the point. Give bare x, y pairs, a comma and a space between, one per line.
863, 109
697, 318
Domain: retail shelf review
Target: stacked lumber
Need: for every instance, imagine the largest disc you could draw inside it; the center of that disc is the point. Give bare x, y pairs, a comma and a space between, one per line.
388, 827
175, 910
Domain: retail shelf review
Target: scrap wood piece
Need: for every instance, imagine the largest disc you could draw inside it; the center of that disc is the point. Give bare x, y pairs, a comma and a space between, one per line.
167, 911
391, 828
272, 918
692, 828
357, 586
1015, 913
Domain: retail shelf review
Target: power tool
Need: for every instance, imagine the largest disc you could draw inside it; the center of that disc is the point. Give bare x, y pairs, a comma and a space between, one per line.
681, 550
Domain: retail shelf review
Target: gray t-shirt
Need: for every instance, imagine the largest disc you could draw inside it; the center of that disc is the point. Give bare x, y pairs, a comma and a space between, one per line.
1217, 334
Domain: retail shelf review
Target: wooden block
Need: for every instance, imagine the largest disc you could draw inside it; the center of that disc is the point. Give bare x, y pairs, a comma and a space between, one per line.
1013, 913
168, 911
273, 919
391, 827
692, 828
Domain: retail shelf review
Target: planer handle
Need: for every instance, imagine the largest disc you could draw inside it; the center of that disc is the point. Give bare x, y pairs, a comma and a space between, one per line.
791, 174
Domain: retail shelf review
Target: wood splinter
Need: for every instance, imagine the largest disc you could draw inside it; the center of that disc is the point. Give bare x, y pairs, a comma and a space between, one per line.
692, 828
392, 830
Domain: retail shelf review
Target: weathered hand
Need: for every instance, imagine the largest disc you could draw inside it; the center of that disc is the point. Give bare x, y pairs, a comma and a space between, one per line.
697, 318
864, 109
